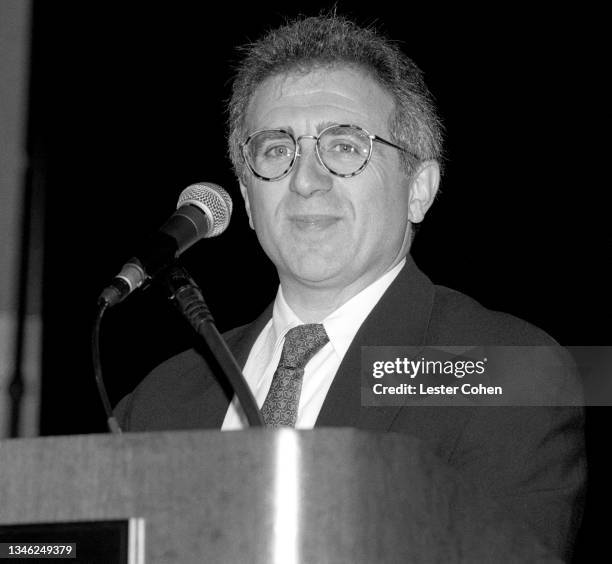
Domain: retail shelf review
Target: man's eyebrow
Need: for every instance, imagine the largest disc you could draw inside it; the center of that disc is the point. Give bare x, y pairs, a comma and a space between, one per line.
324, 125
320, 127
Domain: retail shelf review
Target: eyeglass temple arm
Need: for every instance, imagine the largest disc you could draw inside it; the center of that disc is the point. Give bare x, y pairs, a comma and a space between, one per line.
385, 142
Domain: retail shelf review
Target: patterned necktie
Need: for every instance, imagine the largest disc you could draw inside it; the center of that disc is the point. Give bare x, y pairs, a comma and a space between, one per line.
301, 344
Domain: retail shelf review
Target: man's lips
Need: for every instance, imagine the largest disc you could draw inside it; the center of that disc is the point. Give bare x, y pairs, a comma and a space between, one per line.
313, 221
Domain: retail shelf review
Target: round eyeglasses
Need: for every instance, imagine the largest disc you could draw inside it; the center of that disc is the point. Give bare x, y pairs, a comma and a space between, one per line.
343, 150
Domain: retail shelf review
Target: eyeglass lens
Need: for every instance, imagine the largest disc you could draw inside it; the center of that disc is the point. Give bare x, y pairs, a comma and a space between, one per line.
343, 150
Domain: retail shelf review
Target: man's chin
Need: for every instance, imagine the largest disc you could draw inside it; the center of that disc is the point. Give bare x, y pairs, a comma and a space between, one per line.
317, 273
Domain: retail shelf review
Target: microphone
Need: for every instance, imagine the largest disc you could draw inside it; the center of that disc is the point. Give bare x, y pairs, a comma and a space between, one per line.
203, 210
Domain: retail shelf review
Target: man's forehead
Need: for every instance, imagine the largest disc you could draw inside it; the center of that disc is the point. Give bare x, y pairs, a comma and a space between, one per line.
346, 89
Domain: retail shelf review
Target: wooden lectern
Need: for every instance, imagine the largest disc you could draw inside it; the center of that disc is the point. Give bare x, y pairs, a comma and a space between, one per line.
261, 496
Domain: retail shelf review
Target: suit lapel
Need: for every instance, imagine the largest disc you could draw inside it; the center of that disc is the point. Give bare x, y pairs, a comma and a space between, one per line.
240, 341
400, 318
219, 393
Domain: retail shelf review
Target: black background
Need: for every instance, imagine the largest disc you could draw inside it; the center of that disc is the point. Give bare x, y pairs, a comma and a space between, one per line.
127, 109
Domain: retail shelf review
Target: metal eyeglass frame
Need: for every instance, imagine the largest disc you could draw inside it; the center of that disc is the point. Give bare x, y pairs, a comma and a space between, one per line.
297, 140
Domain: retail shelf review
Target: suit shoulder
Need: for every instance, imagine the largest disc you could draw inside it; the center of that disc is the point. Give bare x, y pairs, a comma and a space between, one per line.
176, 366
182, 371
181, 393
184, 364
457, 316
175, 376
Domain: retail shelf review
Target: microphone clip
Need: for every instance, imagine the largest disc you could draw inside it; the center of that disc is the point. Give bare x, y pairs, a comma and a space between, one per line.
186, 295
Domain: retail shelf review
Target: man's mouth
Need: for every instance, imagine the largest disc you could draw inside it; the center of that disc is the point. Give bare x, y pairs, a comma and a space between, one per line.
313, 221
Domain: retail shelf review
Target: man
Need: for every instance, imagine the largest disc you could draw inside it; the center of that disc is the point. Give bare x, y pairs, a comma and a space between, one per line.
336, 145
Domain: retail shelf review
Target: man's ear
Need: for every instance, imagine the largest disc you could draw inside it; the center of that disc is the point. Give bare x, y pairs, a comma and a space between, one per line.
423, 189
247, 205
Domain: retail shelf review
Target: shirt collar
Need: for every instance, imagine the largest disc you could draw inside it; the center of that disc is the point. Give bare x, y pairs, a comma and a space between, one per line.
342, 324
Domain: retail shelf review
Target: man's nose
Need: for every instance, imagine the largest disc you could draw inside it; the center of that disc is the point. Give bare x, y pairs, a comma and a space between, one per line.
308, 175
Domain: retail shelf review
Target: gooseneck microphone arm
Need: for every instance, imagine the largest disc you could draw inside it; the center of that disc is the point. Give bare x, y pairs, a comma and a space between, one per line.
188, 298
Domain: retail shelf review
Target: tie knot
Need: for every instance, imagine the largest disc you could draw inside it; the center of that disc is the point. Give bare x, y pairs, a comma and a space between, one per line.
301, 344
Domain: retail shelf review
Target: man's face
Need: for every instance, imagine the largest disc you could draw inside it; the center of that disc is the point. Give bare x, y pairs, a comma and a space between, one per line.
320, 230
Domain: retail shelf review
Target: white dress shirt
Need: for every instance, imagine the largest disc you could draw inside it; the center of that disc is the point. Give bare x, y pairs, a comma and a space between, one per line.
341, 327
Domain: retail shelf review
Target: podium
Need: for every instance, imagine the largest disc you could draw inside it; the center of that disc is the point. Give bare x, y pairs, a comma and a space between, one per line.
263, 496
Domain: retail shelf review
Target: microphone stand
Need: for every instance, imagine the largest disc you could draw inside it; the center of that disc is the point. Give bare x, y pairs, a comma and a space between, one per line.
188, 298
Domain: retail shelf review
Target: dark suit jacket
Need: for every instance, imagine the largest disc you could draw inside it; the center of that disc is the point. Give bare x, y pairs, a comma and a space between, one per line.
530, 459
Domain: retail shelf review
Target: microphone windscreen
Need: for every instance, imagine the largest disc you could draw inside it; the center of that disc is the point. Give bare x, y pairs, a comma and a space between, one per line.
213, 200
